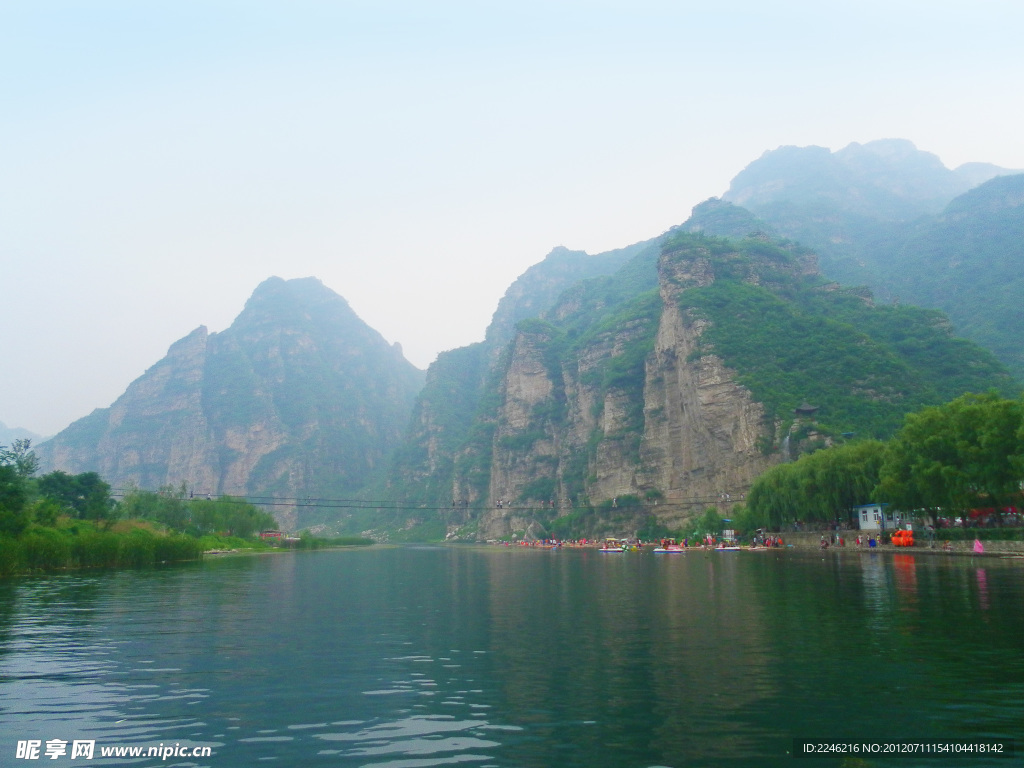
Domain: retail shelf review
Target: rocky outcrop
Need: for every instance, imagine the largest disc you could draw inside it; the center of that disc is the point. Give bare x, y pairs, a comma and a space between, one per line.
442, 463
638, 410
701, 428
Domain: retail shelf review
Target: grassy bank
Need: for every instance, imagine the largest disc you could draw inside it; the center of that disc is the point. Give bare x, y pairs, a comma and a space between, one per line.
81, 545
73, 544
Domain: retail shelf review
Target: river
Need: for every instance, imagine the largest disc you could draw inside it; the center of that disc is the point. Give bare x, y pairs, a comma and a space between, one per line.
419, 656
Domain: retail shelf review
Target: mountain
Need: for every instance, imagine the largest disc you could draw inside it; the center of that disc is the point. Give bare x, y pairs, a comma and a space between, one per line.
723, 219
893, 218
540, 285
889, 180
969, 262
9, 434
298, 398
460, 381
613, 393
638, 398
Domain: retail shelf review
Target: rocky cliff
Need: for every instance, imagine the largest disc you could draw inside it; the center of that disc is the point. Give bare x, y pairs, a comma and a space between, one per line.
298, 398
631, 405
439, 466
627, 421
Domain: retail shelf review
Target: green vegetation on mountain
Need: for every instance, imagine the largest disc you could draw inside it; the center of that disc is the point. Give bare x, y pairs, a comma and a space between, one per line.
969, 263
446, 457
536, 290
422, 467
890, 217
797, 339
664, 374
723, 219
888, 179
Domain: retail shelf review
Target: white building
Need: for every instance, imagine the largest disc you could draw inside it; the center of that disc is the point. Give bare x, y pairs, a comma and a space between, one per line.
876, 517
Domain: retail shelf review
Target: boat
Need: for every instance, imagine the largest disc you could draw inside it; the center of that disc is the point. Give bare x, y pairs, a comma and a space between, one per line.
728, 548
613, 545
669, 546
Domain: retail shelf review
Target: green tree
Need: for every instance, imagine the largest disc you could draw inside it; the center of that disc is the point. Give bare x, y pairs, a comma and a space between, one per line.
44, 512
17, 465
84, 496
773, 498
710, 522
236, 517
21, 457
823, 486
834, 481
166, 506
967, 453
14, 518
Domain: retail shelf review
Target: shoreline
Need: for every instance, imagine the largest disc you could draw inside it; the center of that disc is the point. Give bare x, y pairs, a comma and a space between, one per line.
993, 547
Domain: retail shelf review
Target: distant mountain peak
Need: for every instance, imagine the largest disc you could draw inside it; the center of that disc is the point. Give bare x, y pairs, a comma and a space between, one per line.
885, 179
895, 148
9, 434
723, 219
299, 289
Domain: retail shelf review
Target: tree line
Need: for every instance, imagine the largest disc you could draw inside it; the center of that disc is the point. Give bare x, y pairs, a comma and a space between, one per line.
60, 520
943, 462
26, 500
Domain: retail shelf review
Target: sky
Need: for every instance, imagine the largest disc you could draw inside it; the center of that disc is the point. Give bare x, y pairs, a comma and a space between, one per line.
158, 160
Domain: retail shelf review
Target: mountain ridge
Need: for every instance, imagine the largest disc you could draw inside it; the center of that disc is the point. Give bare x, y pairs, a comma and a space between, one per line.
622, 408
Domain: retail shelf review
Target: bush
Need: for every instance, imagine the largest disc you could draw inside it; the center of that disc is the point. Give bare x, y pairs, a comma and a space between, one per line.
138, 548
10, 555
49, 549
45, 549
171, 549
96, 550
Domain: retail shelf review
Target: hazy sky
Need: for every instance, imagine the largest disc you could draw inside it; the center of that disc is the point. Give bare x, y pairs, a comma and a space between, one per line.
158, 160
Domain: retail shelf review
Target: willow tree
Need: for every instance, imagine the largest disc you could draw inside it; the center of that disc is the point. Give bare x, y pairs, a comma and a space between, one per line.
965, 454
823, 486
774, 496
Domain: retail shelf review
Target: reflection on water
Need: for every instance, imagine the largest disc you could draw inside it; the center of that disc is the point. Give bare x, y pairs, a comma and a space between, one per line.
401, 658
982, 589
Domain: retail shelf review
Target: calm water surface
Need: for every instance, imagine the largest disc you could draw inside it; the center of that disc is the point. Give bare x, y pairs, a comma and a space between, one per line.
431, 656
